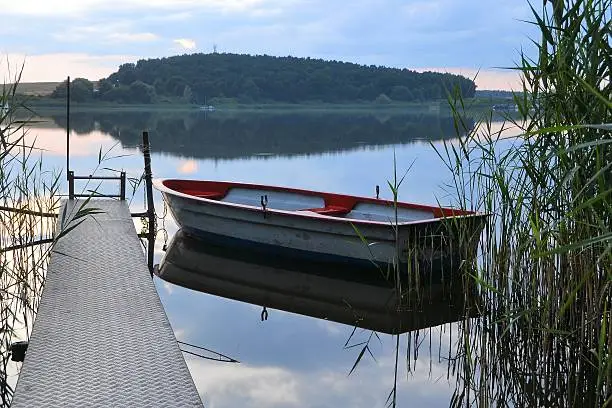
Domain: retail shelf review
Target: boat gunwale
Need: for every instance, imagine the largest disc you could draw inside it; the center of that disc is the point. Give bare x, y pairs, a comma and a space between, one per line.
306, 213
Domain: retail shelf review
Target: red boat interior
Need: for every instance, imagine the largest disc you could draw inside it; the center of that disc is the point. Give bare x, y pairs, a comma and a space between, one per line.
290, 199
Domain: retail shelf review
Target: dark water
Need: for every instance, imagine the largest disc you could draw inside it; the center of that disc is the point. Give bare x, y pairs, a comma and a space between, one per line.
290, 360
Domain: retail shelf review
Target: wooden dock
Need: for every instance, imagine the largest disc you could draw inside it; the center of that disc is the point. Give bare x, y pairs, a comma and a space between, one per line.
101, 337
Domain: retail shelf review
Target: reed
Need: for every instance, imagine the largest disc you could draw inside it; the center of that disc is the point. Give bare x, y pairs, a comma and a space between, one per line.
29, 202
543, 267
28, 197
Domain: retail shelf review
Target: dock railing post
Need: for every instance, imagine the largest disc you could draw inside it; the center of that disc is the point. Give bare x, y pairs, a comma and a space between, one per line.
146, 151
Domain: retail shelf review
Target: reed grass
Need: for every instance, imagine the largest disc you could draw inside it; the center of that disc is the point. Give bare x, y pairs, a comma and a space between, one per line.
28, 197
541, 335
544, 263
29, 203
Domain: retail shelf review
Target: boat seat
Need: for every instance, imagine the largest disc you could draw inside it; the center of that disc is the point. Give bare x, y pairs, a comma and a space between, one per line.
211, 195
332, 210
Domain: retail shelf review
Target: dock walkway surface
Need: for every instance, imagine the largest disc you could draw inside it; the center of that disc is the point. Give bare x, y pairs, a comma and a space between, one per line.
101, 337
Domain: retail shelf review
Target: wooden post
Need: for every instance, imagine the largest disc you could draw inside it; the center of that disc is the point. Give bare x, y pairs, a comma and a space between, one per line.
70, 185
122, 189
146, 151
68, 129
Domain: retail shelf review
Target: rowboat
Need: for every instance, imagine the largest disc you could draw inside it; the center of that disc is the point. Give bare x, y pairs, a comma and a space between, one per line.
324, 226
310, 288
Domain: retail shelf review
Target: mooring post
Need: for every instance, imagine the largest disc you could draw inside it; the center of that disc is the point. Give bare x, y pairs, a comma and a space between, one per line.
70, 185
122, 186
146, 151
68, 129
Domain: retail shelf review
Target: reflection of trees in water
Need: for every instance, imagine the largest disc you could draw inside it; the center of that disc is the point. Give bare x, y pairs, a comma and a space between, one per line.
231, 136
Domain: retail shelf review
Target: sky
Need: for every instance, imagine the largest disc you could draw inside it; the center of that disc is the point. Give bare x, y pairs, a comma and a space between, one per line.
90, 38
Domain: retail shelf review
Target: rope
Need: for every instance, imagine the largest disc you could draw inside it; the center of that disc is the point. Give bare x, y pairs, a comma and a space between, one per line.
222, 357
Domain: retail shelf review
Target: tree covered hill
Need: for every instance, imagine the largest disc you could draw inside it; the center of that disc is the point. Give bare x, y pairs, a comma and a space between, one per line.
197, 78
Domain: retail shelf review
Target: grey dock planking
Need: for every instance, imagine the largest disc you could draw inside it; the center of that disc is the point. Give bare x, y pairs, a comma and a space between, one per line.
101, 336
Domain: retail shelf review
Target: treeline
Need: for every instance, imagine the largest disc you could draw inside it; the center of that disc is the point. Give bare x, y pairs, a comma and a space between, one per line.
202, 78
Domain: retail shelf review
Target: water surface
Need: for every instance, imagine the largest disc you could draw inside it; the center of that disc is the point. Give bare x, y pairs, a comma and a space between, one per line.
289, 360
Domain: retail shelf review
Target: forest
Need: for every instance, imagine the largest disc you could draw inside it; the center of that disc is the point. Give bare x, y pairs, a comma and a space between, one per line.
206, 78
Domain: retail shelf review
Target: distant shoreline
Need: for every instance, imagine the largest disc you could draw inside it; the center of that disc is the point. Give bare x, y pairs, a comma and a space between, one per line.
59, 105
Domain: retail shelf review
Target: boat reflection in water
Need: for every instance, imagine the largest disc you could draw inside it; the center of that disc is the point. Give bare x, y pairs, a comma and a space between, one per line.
364, 298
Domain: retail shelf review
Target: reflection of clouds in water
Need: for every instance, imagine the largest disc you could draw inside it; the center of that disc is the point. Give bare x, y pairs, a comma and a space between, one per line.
188, 167
499, 129
52, 141
483, 132
244, 385
240, 385
180, 334
168, 288
331, 328
303, 355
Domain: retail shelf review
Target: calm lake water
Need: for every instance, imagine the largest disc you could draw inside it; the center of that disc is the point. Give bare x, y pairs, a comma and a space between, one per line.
289, 360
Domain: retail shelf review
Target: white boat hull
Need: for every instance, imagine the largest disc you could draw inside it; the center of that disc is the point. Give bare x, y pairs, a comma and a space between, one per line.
289, 221
314, 235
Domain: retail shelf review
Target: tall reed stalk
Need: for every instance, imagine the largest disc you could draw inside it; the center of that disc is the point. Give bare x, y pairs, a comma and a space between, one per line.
544, 265
28, 195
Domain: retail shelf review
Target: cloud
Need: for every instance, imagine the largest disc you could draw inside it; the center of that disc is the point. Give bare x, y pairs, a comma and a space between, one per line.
82, 7
132, 37
186, 43
169, 17
485, 78
55, 67
111, 33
